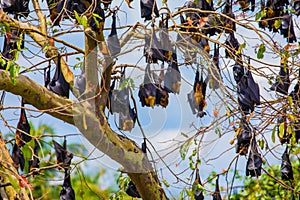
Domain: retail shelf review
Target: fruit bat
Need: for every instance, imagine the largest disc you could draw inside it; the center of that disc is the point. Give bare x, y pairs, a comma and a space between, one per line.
246, 3
47, 75
162, 96
70, 6
147, 91
205, 5
113, 42
172, 77
282, 81
287, 28
67, 192
198, 194
119, 99
214, 70
233, 45
18, 7
55, 17
10, 44
58, 84
243, 138
153, 50
18, 157
286, 169
35, 161
297, 131
196, 97
165, 41
229, 24
216, 195
191, 15
97, 22
132, 191
238, 72
144, 146
248, 93
147, 6
127, 119
23, 129
254, 163
283, 119
80, 82
296, 7
62, 155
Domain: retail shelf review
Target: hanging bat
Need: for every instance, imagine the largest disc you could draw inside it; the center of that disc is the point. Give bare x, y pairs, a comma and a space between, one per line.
144, 146
283, 119
162, 96
10, 46
70, 6
282, 81
127, 119
153, 50
248, 93
97, 21
296, 7
198, 194
216, 195
62, 155
254, 163
147, 91
113, 42
286, 169
191, 15
233, 44
172, 77
243, 138
297, 131
196, 97
22, 135
214, 70
147, 6
47, 75
205, 5
246, 3
132, 191
35, 161
287, 28
67, 192
228, 24
210, 25
165, 41
80, 82
58, 84
18, 7
18, 157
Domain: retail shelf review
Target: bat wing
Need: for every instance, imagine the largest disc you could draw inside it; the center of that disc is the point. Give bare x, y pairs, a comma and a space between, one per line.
216, 195
190, 97
18, 157
162, 97
254, 162
132, 191
244, 138
282, 81
198, 194
286, 169
60, 152
253, 88
23, 136
147, 7
67, 193
166, 45
113, 42
59, 85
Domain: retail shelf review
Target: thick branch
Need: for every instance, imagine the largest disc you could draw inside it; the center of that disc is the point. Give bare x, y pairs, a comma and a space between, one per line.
82, 114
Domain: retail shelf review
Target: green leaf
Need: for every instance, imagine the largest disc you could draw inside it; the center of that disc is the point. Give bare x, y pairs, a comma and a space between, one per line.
184, 149
260, 15
273, 134
84, 21
281, 130
242, 46
261, 51
165, 183
277, 23
77, 17
184, 135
